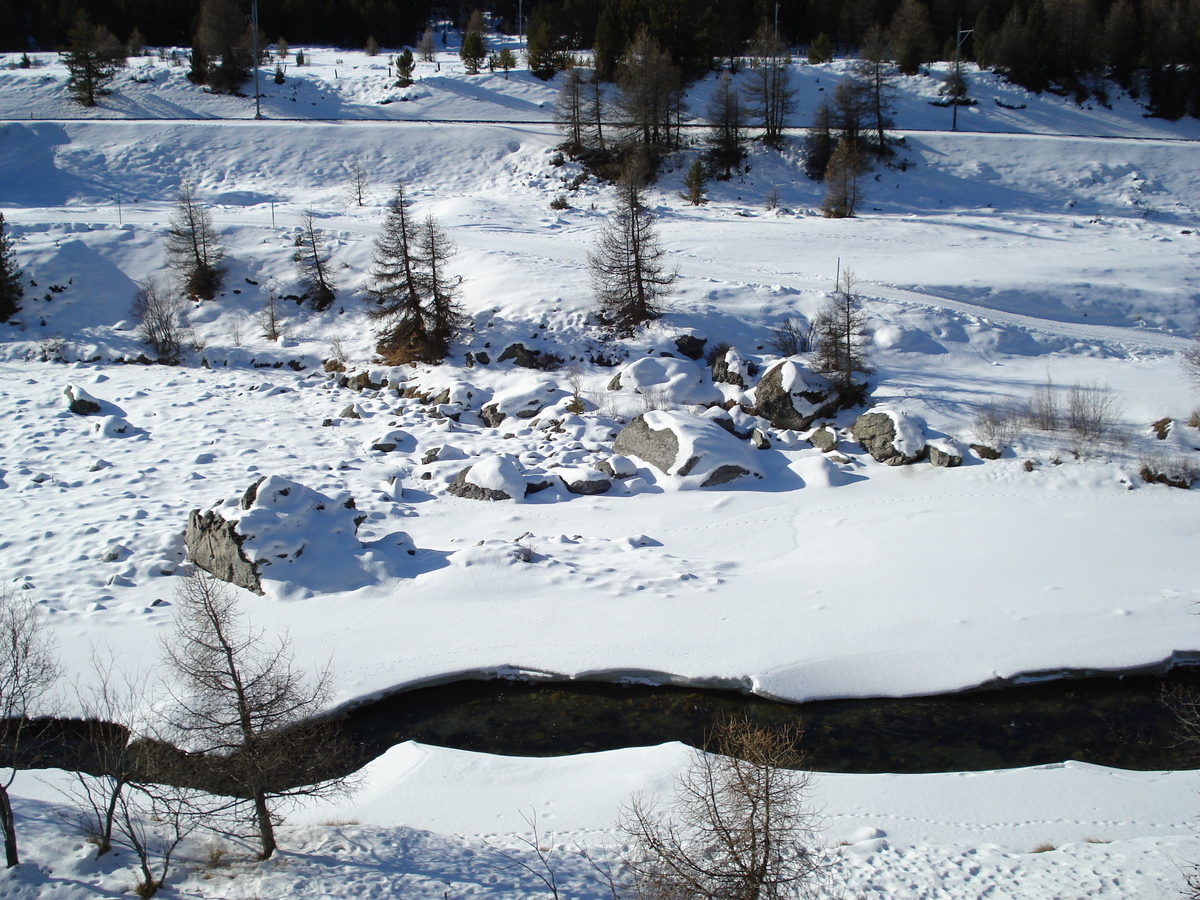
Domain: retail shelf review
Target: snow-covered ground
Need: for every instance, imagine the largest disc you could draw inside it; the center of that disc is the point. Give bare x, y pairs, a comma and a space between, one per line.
1047, 242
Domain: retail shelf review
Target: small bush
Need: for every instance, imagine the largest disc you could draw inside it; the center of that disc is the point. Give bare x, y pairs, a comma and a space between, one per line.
159, 317
794, 336
1091, 415
560, 202
1194, 419
715, 352
1043, 848
1042, 411
996, 425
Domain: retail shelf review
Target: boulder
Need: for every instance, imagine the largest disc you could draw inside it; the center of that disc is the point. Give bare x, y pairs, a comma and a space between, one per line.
944, 454
731, 368
759, 440
696, 451
671, 381
690, 345
790, 396
350, 412
824, 439
215, 546
494, 478
890, 436
617, 466
523, 403
579, 480
529, 359
983, 451
80, 401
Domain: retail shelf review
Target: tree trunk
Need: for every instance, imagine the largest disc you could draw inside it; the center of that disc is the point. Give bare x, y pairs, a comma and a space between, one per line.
266, 830
9, 826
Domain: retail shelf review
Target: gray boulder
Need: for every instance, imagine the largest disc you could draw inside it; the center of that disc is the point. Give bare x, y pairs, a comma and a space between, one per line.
690, 345
944, 454
80, 401
586, 482
824, 439
790, 396
891, 437
215, 546
697, 450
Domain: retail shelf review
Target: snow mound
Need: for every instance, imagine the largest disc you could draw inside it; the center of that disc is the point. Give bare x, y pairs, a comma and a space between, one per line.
678, 382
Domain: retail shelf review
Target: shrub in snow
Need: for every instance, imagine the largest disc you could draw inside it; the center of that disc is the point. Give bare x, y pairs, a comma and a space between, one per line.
890, 436
699, 452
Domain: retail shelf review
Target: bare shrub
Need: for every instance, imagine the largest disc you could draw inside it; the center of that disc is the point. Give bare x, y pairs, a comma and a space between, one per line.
793, 336
1091, 415
742, 824
270, 320
160, 319
656, 396
1191, 362
996, 424
1043, 411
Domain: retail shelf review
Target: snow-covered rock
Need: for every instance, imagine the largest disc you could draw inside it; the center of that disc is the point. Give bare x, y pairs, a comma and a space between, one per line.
677, 382
790, 396
891, 436
698, 451
492, 478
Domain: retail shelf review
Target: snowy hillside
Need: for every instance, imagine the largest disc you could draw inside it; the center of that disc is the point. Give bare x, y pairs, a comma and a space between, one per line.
1042, 242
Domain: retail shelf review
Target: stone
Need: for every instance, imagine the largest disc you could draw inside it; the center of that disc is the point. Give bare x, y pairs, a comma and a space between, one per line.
759, 441
944, 455
362, 382
80, 401
215, 546
660, 448
521, 356
824, 439
791, 397
350, 412
730, 368
493, 478
617, 466
690, 345
687, 446
891, 437
587, 482
983, 451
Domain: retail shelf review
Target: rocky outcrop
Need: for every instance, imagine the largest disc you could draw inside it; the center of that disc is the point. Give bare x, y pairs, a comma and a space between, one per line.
658, 447
731, 368
215, 546
890, 436
790, 396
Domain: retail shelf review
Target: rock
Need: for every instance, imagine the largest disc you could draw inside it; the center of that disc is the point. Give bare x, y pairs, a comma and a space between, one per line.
388, 442
890, 436
730, 368
216, 547
616, 466
482, 357
113, 553
790, 396
690, 345
824, 439
667, 381
758, 440
529, 359
583, 481
983, 451
80, 401
524, 403
944, 454
362, 382
494, 478
350, 412
431, 456
696, 450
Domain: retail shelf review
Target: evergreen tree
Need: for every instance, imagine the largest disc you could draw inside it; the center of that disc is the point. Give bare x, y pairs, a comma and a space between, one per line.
542, 51
473, 52
425, 46
839, 329
415, 300
820, 50
628, 266
726, 120
842, 177
769, 96
11, 288
312, 259
505, 61
650, 100
92, 58
404, 68
820, 142
876, 74
911, 36
193, 249
225, 40
696, 181
1120, 42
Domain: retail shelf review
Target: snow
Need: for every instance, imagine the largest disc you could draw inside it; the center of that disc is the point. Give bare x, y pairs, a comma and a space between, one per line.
1050, 241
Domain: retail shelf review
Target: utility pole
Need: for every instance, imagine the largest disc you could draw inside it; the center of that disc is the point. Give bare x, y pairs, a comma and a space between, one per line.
776, 21
958, 71
257, 60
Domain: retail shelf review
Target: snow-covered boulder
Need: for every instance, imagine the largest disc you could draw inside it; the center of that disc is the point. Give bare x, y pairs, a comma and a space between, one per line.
731, 368
274, 524
80, 401
581, 480
790, 396
617, 466
699, 452
678, 382
890, 436
824, 439
944, 454
493, 478
523, 402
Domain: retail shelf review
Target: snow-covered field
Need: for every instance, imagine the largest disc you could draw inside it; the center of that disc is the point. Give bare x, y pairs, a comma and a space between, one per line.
1043, 242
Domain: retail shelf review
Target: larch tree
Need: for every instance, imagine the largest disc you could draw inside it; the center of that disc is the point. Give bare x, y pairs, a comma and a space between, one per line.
770, 99
11, 288
742, 825
843, 176
820, 141
628, 264
569, 112
241, 701
92, 58
650, 99
911, 36
875, 72
414, 299
194, 250
839, 330
223, 36
312, 259
28, 669
726, 120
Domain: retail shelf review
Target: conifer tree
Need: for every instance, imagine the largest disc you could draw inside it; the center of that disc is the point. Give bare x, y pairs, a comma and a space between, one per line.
911, 36
650, 100
473, 52
876, 74
92, 58
312, 258
569, 110
628, 265
404, 68
696, 181
11, 288
839, 329
820, 142
224, 38
842, 177
194, 250
769, 96
415, 299
726, 120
